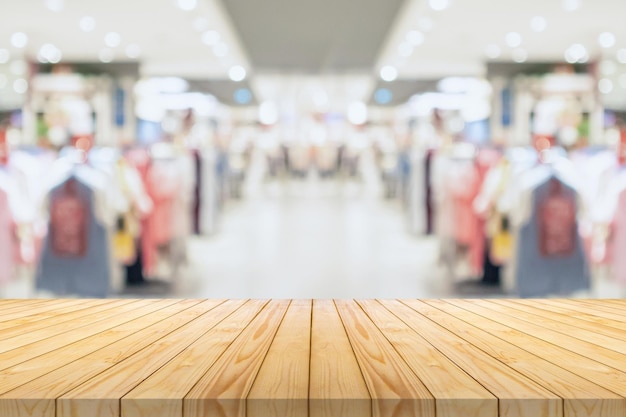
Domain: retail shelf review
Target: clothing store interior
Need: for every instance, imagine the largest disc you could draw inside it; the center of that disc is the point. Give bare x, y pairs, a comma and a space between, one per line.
312, 149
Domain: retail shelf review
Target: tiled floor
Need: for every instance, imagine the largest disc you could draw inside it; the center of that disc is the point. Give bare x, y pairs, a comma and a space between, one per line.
313, 238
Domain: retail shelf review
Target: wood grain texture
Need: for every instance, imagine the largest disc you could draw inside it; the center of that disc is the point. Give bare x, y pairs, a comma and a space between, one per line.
582, 398
99, 396
394, 387
89, 357
455, 392
591, 350
519, 396
579, 316
318, 358
559, 354
37, 311
162, 393
78, 316
221, 392
284, 374
336, 384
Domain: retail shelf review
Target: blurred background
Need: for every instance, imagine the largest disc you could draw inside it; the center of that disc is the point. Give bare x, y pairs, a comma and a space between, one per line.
312, 149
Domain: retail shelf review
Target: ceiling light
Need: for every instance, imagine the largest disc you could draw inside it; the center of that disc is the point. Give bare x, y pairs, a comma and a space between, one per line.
576, 53
415, 37
211, 37
493, 51
605, 86
606, 40
383, 96
243, 96
19, 40
49, 53
87, 24
20, 86
425, 24
220, 50
405, 49
388, 73
571, 5
187, 5
106, 55
357, 113
538, 23
513, 39
54, 5
133, 51
520, 55
200, 24
112, 39
622, 80
438, 5
237, 73
4, 56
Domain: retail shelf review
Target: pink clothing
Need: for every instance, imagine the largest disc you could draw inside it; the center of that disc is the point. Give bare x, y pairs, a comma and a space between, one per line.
7, 240
162, 183
618, 240
464, 187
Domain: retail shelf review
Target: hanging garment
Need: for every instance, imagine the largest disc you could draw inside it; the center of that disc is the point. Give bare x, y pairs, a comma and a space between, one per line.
550, 257
7, 241
557, 222
618, 241
76, 254
197, 192
430, 212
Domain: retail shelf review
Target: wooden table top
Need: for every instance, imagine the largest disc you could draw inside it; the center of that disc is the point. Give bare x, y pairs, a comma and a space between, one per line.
374, 358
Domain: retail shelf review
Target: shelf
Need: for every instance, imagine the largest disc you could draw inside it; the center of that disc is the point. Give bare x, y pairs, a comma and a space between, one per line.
201, 358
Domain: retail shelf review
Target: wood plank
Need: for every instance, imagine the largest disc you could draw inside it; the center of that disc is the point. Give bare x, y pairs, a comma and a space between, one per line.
336, 384
162, 393
24, 310
62, 319
517, 394
394, 388
36, 349
223, 389
559, 354
40, 312
610, 305
455, 392
100, 395
555, 308
281, 387
8, 304
38, 383
94, 314
63, 329
578, 328
598, 310
582, 398
593, 350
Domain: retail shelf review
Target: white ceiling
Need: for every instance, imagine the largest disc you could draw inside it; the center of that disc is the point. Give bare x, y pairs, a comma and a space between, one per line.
169, 43
172, 46
461, 33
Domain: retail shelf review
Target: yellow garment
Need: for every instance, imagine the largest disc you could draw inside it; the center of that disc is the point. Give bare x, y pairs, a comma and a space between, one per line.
501, 250
124, 248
